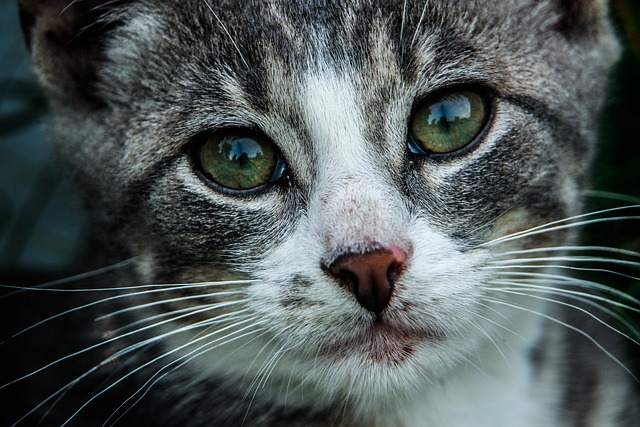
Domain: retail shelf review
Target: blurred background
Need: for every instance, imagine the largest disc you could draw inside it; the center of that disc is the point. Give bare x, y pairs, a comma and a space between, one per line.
42, 225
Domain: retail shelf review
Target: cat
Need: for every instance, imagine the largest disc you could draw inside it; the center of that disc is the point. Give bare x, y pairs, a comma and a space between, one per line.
352, 213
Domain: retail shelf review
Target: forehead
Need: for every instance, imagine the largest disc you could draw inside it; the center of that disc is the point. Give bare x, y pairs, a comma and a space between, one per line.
388, 38
201, 65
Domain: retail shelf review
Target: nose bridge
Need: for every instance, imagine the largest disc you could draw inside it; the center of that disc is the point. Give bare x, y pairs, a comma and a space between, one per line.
352, 201
356, 212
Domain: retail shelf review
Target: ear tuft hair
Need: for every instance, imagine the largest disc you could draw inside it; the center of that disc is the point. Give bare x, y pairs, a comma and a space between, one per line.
65, 41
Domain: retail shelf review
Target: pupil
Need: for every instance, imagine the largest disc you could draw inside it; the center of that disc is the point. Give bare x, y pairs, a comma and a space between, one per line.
444, 124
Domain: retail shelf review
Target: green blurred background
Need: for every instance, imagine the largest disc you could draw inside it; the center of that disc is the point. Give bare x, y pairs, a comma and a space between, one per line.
617, 168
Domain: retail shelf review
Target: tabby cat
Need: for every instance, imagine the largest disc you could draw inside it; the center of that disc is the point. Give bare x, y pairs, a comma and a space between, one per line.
314, 213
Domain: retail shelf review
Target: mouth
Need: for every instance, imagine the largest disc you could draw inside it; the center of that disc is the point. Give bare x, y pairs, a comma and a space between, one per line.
382, 343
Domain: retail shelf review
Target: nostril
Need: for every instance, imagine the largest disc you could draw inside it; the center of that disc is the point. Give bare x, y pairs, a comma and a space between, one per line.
371, 275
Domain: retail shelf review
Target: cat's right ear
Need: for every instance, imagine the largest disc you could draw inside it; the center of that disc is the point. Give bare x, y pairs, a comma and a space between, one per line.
582, 18
66, 39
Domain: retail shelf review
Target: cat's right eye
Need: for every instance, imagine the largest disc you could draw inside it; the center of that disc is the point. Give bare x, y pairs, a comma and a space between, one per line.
239, 161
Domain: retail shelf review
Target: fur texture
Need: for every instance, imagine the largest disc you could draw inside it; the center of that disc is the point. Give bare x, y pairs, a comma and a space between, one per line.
254, 330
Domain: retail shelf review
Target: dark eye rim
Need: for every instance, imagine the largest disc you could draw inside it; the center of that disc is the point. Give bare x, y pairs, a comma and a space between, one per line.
486, 95
279, 176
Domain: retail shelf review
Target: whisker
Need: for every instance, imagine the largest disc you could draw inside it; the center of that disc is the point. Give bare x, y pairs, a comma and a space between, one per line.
159, 287
108, 341
404, 18
570, 258
568, 326
186, 312
570, 293
224, 28
566, 304
106, 300
148, 385
495, 344
415, 33
563, 280
554, 225
168, 301
191, 310
97, 395
558, 266
262, 377
255, 358
69, 279
257, 377
583, 297
138, 369
570, 248
613, 196
501, 326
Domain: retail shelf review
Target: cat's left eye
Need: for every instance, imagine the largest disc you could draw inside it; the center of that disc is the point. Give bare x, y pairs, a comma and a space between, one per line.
239, 162
448, 122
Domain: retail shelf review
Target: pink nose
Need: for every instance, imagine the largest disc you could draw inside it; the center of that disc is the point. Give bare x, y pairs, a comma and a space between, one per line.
371, 276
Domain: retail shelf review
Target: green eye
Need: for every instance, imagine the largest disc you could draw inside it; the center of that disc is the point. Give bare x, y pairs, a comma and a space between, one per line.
447, 123
240, 162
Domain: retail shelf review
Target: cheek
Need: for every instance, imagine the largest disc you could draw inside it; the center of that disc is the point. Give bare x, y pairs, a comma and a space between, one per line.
186, 223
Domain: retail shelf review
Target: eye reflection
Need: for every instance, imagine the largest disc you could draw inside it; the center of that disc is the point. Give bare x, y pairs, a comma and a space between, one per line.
239, 162
240, 149
447, 123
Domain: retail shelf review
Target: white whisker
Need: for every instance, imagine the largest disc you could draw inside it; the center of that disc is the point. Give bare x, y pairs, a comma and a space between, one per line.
585, 298
402, 24
173, 350
160, 287
495, 344
184, 313
192, 310
626, 198
514, 267
566, 304
499, 325
111, 340
415, 33
226, 31
554, 225
569, 249
568, 326
567, 292
148, 385
590, 259
263, 376
69, 279
168, 301
571, 281
103, 301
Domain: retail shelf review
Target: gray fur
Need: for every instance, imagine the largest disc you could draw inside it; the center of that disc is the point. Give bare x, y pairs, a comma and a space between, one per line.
133, 84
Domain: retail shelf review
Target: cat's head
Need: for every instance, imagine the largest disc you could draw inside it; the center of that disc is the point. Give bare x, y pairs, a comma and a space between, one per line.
352, 164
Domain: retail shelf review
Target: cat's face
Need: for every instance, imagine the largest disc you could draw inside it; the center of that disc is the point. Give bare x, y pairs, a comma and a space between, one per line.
360, 243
